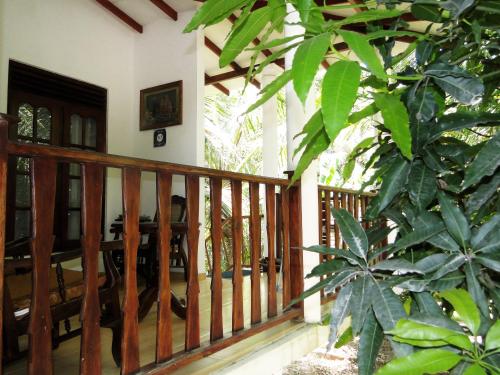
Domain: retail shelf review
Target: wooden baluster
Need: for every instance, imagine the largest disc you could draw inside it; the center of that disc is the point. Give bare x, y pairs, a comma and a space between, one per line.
350, 204
3, 213
343, 204
90, 348
356, 206
336, 205
363, 211
285, 230
131, 184
237, 232
328, 222
43, 183
296, 261
193, 284
216, 324
320, 219
255, 246
271, 265
164, 315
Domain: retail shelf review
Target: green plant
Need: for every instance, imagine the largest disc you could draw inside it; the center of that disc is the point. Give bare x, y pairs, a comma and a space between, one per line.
459, 346
435, 158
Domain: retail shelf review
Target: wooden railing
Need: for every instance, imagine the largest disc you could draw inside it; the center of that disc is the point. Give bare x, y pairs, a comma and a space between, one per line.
44, 161
354, 202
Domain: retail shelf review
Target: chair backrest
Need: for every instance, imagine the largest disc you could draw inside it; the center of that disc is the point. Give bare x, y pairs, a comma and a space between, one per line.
178, 208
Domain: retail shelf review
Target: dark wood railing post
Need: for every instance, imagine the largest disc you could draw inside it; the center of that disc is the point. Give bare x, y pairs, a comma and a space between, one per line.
43, 183
131, 184
90, 348
237, 233
285, 229
296, 258
216, 324
255, 250
192, 337
164, 343
4, 132
271, 264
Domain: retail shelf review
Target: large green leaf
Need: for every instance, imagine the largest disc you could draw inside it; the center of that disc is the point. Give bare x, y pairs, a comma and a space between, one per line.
475, 289
429, 361
417, 236
421, 334
485, 163
457, 82
441, 240
426, 12
487, 238
271, 89
434, 316
213, 11
352, 232
493, 337
396, 120
431, 263
368, 16
456, 7
462, 120
427, 306
475, 369
465, 307
360, 45
392, 185
423, 105
310, 130
490, 261
453, 263
337, 253
421, 185
391, 34
455, 220
318, 144
482, 194
450, 280
399, 265
340, 311
339, 92
242, 36
361, 302
304, 8
369, 110
324, 268
306, 62
370, 341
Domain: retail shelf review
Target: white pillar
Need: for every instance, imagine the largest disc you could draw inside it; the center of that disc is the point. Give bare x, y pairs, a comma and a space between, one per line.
296, 116
270, 142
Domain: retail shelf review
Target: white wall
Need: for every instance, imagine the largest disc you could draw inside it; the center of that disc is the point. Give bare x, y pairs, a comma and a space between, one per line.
82, 40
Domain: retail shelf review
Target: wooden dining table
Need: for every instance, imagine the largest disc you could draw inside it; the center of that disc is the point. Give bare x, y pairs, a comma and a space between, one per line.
149, 294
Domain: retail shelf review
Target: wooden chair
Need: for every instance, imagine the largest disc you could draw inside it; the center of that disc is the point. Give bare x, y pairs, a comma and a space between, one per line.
65, 295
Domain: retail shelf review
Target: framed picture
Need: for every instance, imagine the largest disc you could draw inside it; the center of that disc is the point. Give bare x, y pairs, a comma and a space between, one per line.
161, 106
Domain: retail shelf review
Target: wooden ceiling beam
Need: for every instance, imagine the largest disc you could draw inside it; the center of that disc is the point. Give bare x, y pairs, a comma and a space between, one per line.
235, 73
234, 65
217, 85
165, 8
121, 15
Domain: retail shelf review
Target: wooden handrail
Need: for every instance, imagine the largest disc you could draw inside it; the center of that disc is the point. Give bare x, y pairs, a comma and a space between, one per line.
344, 190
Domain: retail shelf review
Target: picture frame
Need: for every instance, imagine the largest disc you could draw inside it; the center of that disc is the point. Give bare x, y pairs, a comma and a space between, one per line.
161, 106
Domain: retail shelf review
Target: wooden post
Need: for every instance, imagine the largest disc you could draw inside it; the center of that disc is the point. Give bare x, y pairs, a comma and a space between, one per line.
90, 348
255, 246
271, 264
192, 335
285, 229
296, 260
164, 318
131, 183
216, 323
43, 187
237, 232
4, 134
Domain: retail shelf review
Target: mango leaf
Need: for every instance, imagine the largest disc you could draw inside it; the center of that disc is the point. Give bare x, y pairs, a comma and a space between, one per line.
368, 16
338, 253
475, 289
436, 318
457, 82
423, 106
241, 37
417, 236
369, 110
352, 232
361, 302
485, 163
482, 194
318, 144
271, 89
396, 120
493, 337
341, 278
345, 338
455, 220
306, 62
423, 52
450, 280
428, 308
465, 307
452, 264
429, 361
426, 12
387, 306
475, 369
351, 158
422, 186
462, 120
369, 344
310, 130
487, 238
339, 92
331, 266
359, 44
304, 8
391, 34
421, 334
213, 11
393, 183
431, 263
456, 7
340, 311
441, 240
399, 265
